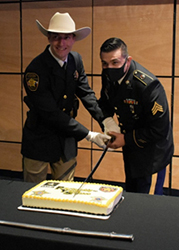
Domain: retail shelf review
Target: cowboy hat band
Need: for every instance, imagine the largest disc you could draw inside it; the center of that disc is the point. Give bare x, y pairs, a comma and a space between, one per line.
63, 23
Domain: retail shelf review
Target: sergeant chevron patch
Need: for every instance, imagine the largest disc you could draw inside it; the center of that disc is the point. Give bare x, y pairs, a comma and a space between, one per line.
157, 107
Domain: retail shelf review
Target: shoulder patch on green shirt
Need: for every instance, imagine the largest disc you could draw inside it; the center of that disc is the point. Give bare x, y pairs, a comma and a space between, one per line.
142, 77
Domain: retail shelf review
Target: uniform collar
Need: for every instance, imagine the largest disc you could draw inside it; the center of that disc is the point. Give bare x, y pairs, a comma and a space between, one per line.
57, 59
120, 80
128, 73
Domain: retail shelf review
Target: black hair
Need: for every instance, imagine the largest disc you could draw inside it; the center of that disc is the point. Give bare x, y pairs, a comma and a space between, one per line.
113, 44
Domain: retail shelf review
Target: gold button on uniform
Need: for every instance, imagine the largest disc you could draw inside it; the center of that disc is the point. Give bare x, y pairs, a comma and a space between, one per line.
142, 76
65, 96
115, 108
64, 109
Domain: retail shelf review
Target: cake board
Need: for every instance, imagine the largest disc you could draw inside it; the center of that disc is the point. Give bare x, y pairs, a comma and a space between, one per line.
70, 213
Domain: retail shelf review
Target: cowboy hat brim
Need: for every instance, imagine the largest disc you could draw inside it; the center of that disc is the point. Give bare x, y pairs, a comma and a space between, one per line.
79, 34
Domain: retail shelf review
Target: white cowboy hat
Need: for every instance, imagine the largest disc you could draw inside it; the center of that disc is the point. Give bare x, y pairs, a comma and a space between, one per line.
63, 23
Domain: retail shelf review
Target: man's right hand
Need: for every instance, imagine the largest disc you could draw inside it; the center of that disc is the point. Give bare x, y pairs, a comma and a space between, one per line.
98, 138
118, 142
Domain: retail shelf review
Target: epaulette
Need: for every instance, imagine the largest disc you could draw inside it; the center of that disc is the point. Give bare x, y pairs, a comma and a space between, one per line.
142, 77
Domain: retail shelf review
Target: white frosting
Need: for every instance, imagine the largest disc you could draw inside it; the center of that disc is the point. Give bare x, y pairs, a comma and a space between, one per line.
92, 198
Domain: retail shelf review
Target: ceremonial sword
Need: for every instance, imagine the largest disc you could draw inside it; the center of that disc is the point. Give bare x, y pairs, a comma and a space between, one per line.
67, 230
96, 166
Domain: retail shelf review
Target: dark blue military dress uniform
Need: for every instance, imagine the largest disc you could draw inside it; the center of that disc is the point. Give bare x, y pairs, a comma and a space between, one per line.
140, 104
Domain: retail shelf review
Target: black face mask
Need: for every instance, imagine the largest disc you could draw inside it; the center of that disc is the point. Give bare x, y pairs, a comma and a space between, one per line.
114, 74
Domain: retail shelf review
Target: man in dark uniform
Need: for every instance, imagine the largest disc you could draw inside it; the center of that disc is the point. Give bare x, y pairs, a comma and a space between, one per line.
53, 81
138, 99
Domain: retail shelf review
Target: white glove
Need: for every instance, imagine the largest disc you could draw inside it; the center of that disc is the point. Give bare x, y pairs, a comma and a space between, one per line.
98, 139
110, 125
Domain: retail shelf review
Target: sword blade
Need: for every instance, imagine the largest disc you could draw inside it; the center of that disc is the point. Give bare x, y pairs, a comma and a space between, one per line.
92, 172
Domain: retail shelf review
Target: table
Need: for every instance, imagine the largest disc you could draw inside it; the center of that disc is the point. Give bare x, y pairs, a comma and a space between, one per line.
153, 220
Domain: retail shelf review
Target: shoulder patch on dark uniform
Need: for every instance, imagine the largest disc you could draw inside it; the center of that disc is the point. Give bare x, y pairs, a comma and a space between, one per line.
142, 77
32, 80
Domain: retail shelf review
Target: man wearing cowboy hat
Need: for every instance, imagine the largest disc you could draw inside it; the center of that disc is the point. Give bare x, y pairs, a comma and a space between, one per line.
53, 81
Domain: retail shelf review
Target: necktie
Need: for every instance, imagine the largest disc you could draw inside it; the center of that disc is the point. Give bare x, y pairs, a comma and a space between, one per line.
64, 66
